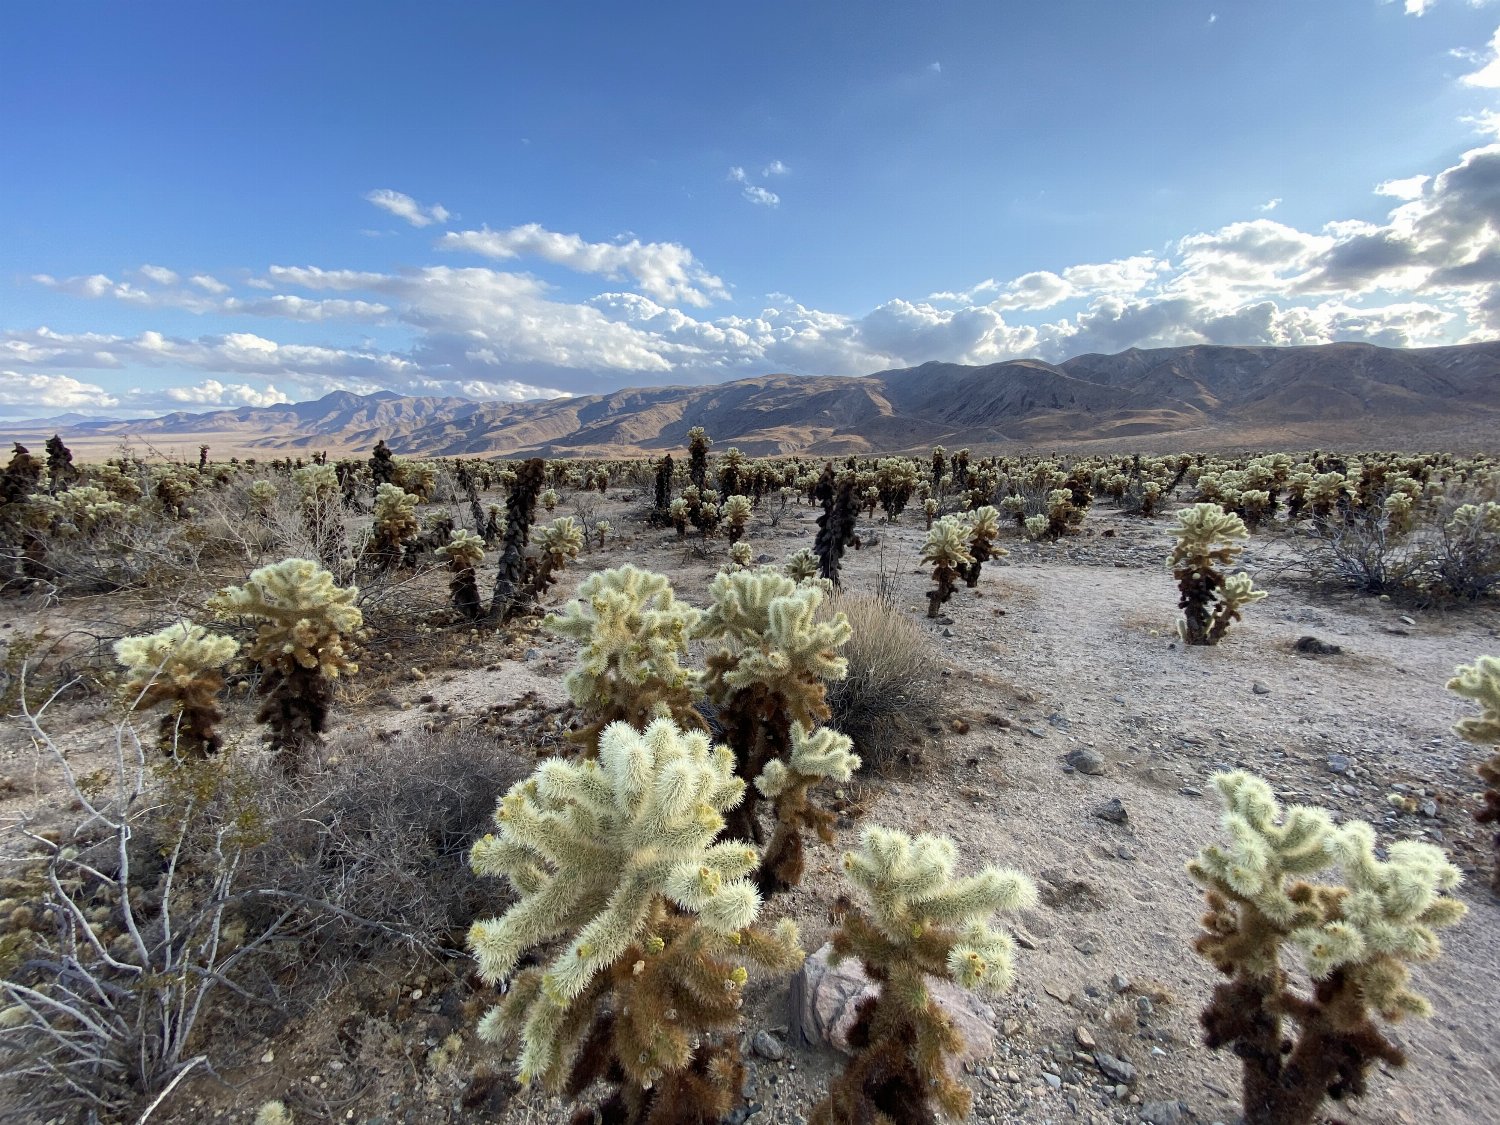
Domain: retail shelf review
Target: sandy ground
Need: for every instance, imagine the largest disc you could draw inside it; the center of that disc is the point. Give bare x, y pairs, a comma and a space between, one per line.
1062, 647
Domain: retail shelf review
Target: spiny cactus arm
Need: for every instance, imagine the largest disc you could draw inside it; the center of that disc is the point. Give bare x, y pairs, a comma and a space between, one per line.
463, 550
1239, 591
825, 754
177, 656
1479, 682
959, 901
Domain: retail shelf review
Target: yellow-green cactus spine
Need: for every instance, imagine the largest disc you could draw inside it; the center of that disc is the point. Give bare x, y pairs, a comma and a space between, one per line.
737, 514
180, 667
802, 566
947, 552
1356, 940
916, 922
464, 552
634, 633
818, 756
396, 524
618, 856
984, 528
1208, 539
777, 654
305, 640
1480, 682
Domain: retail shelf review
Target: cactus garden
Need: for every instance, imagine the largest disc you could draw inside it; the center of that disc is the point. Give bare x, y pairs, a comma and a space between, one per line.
942, 786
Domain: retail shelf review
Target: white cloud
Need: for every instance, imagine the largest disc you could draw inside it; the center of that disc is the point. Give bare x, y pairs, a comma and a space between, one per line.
1270, 204
936, 68
760, 196
208, 283
216, 395
1408, 188
1487, 77
737, 175
53, 392
405, 207
99, 285
159, 274
775, 168
665, 271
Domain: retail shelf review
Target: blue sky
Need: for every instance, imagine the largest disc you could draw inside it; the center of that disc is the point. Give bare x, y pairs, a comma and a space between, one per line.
221, 205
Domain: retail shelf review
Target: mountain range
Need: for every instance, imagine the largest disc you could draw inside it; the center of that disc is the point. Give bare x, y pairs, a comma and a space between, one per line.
1201, 397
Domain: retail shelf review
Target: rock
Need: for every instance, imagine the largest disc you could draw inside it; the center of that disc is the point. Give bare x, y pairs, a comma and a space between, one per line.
1339, 763
1259, 688
826, 1000
1312, 646
1084, 1038
1051, 1079
1406, 620
1086, 761
945, 620
1116, 1069
767, 1046
1428, 807
1120, 982
1165, 1113
948, 633
1113, 810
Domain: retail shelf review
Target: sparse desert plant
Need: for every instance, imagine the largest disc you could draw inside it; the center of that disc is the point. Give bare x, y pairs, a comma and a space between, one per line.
929, 511
634, 633
548, 500
618, 857
181, 668
1480, 682
322, 512
305, 640
261, 496
382, 464
802, 565
464, 552
836, 524
741, 556
816, 757
890, 694
947, 552
736, 514
918, 923
1208, 539
520, 510
698, 443
984, 528
558, 543
395, 525
601, 532
1356, 940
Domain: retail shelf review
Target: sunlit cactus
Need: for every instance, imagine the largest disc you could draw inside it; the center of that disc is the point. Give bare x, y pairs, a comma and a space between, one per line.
741, 556
464, 552
617, 857
1355, 939
737, 515
802, 565
916, 922
181, 668
777, 654
548, 500
634, 633
947, 552
1208, 539
262, 498
929, 511
1480, 682
396, 524
305, 640
520, 510
983, 525
821, 755
601, 532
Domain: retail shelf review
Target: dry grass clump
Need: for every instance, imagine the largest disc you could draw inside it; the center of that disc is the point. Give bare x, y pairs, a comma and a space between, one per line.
373, 851
889, 698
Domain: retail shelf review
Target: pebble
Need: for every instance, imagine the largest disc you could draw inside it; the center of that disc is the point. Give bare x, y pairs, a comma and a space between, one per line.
1165, 1113
1115, 1068
1259, 688
1051, 1079
1084, 1037
1113, 810
767, 1046
1086, 761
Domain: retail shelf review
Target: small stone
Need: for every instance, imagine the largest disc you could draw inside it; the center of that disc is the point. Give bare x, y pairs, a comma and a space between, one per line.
1144, 1007
1259, 688
945, 620
1086, 761
1117, 1069
1164, 1113
1113, 810
1190, 791
1428, 807
767, 1046
268, 1057
1084, 1038
1339, 763
1051, 1079
1312, 646
1406, 620
1120, 982
948, 633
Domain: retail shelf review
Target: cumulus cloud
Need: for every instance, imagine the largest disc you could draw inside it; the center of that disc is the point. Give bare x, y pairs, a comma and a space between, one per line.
405, 207
159, 274
776, 168
55, 392
665, 271
208, 283
290, 307
1409, 187
1270, 204
216, 395
760, 196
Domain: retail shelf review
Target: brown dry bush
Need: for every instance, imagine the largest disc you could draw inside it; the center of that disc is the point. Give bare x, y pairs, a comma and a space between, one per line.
890, 697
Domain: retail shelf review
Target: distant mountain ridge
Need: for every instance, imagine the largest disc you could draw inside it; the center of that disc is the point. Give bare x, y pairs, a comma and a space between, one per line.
1205, 396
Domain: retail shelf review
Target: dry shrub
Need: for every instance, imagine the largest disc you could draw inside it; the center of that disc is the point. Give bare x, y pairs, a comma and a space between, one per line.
890, 697
374, 850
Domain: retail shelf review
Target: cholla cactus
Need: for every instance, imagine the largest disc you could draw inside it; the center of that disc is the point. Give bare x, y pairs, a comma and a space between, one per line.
823, 755
1480, 682
601, 532
929, 511
770, 671
619, 857
741, 556
947, 551
634, 633
802, 566
678, 512
305, 641
464, 553
548, 500
1355, 940
396, 524
983, 525
182, 667
1209, 537
736, 514
262, 496
921, 923
80, 510
273, 1113
1036, 527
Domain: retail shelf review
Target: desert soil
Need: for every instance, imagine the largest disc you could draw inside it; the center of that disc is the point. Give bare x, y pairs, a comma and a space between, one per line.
1062, 648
